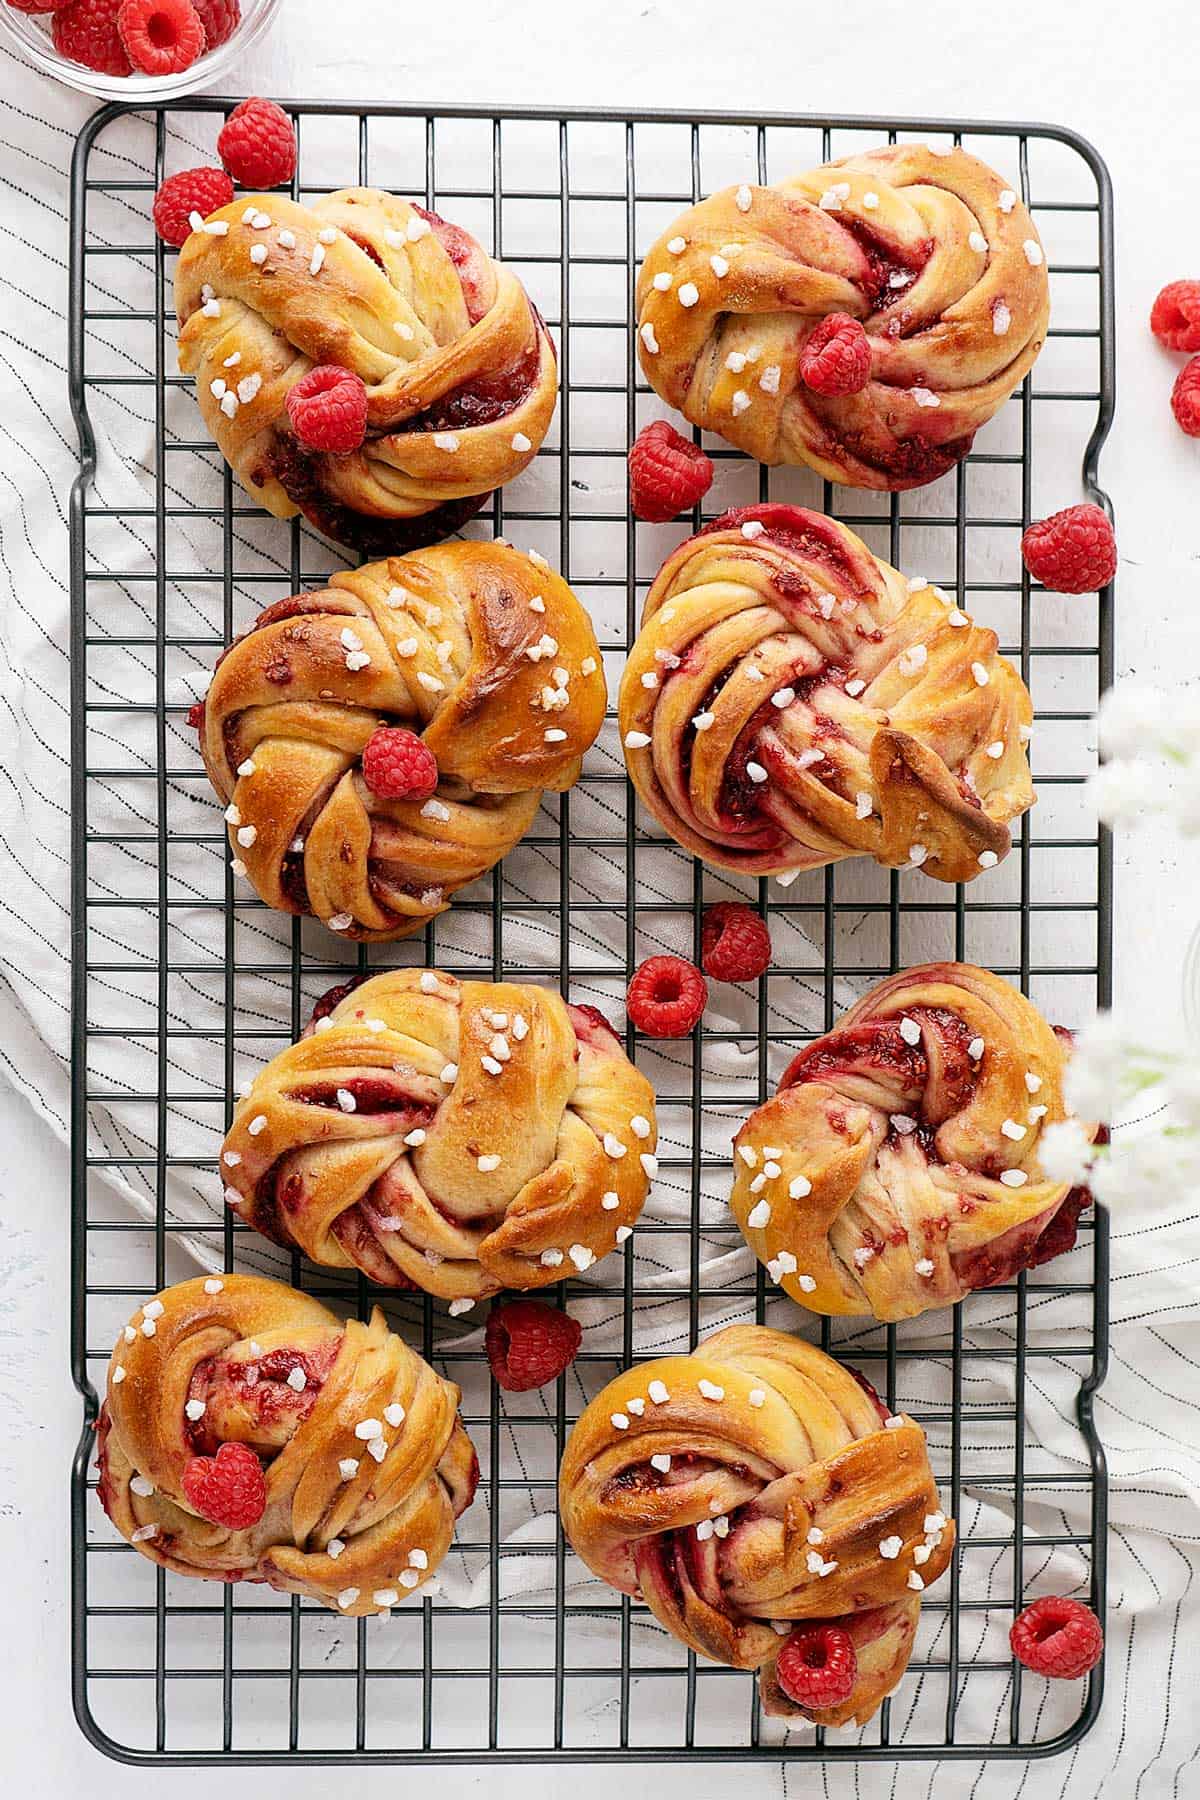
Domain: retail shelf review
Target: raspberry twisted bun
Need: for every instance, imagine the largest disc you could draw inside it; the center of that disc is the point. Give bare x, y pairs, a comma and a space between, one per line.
757, 1482
454, 1136
248, 1434
930, 253
791, 700
459, 369
486, 653
897, 1167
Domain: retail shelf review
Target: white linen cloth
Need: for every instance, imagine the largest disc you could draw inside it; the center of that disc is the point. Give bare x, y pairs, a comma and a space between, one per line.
1145, 1742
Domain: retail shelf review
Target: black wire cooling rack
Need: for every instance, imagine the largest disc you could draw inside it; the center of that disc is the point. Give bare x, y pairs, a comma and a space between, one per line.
183, 983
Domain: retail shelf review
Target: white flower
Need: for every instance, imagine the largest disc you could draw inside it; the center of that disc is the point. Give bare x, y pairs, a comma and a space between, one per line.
1130, 719
1065, 1152
1120, 791
1099, 1075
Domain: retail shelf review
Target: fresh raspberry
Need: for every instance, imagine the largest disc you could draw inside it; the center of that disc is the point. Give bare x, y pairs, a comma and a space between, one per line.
1057, 1637
667, 473
161, 37
1185, 398
398, 765
837, 357
38, 6
529, 1343
86, 32
1073, 551
220, 19
202, 191
735, 944
817, 1666
257, 144
328, 409
1175, 316
666, 997
228, 1488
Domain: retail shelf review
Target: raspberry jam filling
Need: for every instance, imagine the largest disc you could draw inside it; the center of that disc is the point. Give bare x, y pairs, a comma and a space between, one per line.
738, 805
591, 1027
373, 1096
482, 401
908, 462
249, 1399
875, 1049
293, 883
332, 998
884, 262
803, 532
368, 249
1026, 1246
386, 889
299, 475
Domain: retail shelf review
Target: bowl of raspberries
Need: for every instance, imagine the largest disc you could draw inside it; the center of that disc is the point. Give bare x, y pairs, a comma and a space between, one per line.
137, 50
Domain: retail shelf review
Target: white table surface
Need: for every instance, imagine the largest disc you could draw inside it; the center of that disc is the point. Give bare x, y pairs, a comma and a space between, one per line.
1130, 87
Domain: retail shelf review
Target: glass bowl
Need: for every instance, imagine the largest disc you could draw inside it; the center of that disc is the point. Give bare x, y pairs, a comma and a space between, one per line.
29, 34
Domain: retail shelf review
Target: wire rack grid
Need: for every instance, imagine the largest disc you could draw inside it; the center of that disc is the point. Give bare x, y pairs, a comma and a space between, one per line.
183, 983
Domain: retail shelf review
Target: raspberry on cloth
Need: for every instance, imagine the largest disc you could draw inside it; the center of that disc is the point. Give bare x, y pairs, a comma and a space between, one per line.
666, 997
735, 943
529, 1343
1057, 1637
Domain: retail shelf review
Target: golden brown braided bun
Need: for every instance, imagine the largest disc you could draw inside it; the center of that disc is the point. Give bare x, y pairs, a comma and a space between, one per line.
454, 1136
933, 254
792, 700
754, 1483
459, 369
355, 1519
897, 1167
483, 651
